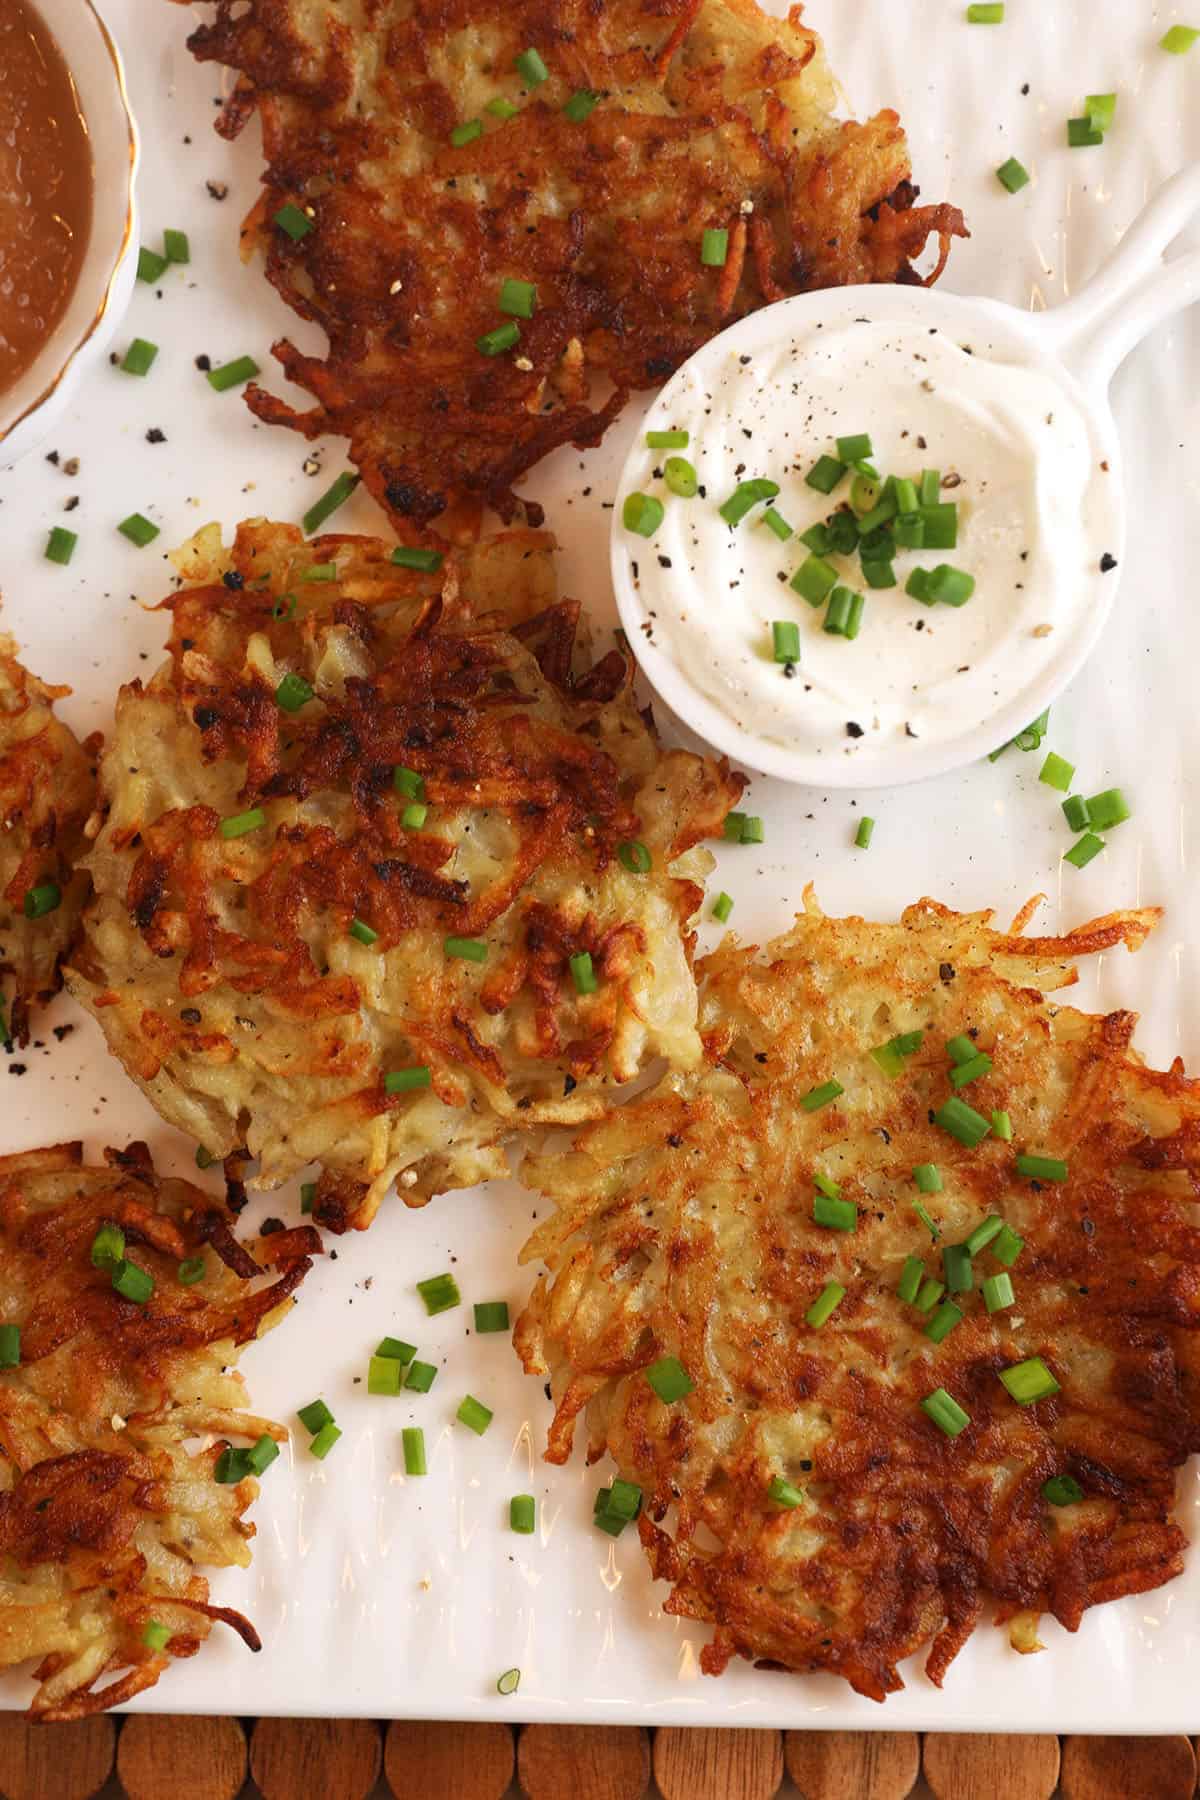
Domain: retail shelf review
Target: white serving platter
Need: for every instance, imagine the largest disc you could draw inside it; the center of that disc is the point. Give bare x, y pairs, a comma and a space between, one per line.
381, 1596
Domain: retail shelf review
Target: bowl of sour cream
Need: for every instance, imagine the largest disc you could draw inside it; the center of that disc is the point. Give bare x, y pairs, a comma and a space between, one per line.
869, 534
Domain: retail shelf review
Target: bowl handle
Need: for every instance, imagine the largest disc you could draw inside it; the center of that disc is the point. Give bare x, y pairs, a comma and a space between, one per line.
1133, 291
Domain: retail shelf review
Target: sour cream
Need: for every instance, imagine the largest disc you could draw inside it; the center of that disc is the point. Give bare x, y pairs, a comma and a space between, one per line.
1015, 452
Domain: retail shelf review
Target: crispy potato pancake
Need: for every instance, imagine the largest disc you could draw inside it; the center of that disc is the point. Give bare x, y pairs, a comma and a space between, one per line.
707, 114
106, 1515
684, 1228
223, 968
47, 789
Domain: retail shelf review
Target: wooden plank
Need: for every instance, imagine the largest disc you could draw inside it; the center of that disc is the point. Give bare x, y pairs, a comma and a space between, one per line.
853, 1765
54, 1762
322, 1759
1133, 1768
204, 1758
583, 1762
701, 1764
982, 1767
448, 1761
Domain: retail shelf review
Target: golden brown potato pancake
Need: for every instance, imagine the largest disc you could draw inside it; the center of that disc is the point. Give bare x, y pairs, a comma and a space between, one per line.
106, 1515
699, 114
684, 1227
224, 969
47, 788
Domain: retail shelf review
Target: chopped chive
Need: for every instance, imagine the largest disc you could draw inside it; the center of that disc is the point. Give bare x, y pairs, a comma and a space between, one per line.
190, 1271
466, 133
474, 1415
139, 357
984, 1233
634, 856
864, 834
825, 1305
60, 545
1081, 133
777, 524
825, 1186
1101, 109
232, 374
962, 1122
943, 1322
522, 1514
581, 104
294, 221
414, 815
714, 247
465, 949
866, 469
518, 298
500, 108
843, 532
681, 478
669, 1379
10, 1346
930, 487
362, 933
785, 640
413, 1439
384, 1375
1075, 811
732, 829
1030, 1381
411, 556
1178, 39
909, 533
864, 495
241, 823
781, 1493
929, 1294
986, 12
1002, 1127
905, 496
314, 1416
1031, 737
917, 586
928, 1178
293, 693
491, 1315
837, 613
330, 500
45, 898
941, 525
879, 575
722, 907
408, 782
998, 1293
324, 1441
1082, 853
132, 1282
156, 1636
834, 1215
440, 1293
752, 829
950, 586
1013, 175
421, 1376
945, 1412
1041, 1168
642, 513
818, 1097
408, 1081
138, 529
499, 339
956, 1268
582, 973
1007, 1246
308, 1196
825, 474
882, 513
960, 1049
1108, 809
890, 1057
963, 1073
261, 1454
623, 1500
231, 1466
396, 1349
509, 1682
177, 248
531, 68
814, 580
108, 1247
668, 440
911, 1277
817, 539
1062, 1490
855, 448
1056, 772
150, 264
745, 497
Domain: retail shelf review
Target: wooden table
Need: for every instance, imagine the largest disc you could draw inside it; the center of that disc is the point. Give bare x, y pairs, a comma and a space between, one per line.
323, 1759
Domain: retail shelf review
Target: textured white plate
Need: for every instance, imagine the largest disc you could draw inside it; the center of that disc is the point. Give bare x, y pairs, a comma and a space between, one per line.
381, 1596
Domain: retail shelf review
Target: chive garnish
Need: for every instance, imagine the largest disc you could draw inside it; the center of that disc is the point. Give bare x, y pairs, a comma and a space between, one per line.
408, 1081
642, 513
294, 221
232, 374
864, 834
45, 898
60, 545
1030, 1381
440, 1293
825, 1305
241, 823
945, 1412
714, 248
330, 500
139, 357
669, 1379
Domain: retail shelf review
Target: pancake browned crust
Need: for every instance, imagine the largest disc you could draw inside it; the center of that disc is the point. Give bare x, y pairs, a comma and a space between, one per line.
710, 113
47, 788
223, 970
106, 1515
684, 1228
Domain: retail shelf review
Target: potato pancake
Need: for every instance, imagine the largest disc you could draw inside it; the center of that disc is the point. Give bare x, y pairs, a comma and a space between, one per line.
123, 1301
890, 1396
380, 877
47, 789
492, 208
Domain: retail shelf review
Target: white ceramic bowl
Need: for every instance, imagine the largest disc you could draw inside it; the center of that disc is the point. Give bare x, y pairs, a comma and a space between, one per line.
28, 410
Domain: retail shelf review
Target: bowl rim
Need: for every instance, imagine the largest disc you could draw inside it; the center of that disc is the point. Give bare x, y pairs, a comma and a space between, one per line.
82, 336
